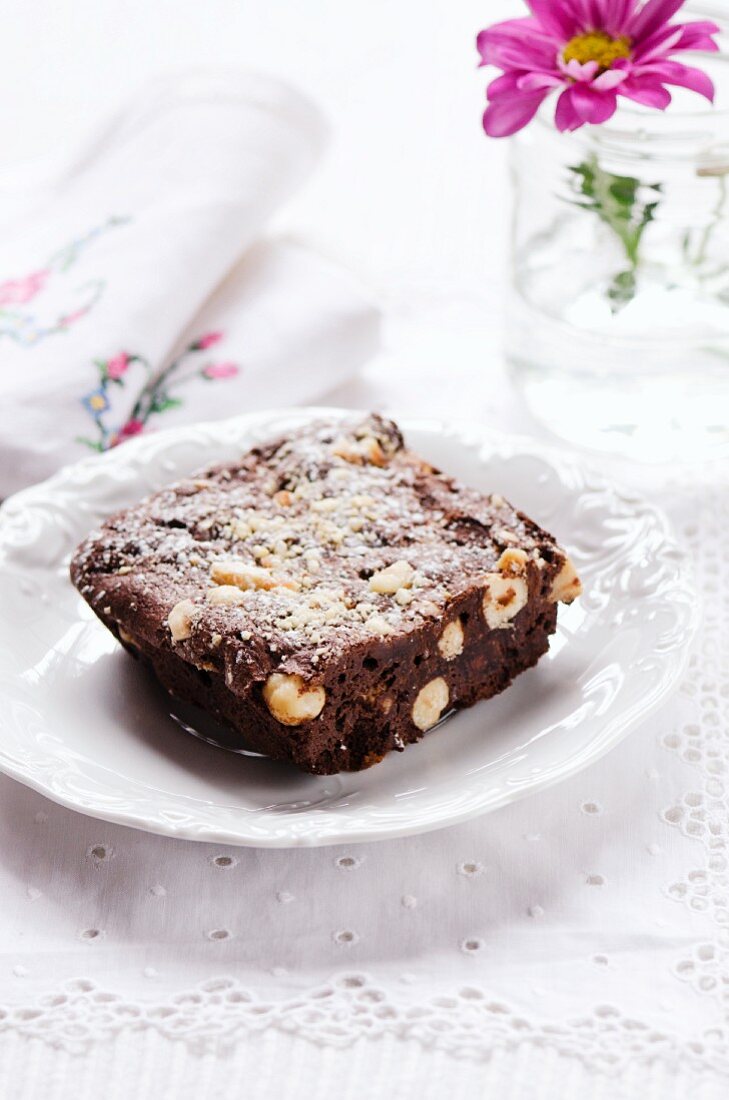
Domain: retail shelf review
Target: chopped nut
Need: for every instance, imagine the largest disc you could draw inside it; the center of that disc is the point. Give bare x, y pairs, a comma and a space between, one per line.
512, 562
326, 504
364, 450
503, 598
450, 642
283, 498
290, 700
224, 594
430, 703
378, 624
312, 561
180, 620
428, 608
504, 535
373, 452
125, 637
246, 576
566, 585
388, 581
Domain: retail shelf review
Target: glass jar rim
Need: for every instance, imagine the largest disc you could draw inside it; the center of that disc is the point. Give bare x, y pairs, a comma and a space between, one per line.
638, 133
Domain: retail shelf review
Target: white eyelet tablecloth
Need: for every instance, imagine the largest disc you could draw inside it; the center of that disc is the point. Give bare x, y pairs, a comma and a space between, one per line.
573, 944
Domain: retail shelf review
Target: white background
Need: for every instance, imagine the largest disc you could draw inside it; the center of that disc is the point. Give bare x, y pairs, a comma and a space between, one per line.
412, 192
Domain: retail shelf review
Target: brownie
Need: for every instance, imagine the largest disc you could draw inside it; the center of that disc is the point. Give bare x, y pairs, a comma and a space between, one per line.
330, 596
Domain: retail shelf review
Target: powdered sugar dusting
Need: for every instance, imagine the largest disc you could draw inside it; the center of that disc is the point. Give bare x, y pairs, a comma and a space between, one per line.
297, 531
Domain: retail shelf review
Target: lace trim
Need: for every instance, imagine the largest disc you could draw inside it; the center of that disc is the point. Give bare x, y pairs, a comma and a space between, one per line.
703, 813
469, 1023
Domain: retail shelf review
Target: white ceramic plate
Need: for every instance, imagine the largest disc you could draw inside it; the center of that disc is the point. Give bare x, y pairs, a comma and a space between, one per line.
85, 725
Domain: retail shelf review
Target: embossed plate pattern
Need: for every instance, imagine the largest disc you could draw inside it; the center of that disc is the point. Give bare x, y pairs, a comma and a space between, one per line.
84, 724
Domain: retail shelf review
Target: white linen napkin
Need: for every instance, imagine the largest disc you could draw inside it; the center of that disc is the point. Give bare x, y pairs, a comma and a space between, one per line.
135, 293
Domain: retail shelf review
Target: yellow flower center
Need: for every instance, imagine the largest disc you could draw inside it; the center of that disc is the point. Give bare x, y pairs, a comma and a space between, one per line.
597, 46
97, 402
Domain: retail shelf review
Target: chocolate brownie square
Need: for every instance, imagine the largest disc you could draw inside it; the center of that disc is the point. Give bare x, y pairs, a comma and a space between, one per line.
330, 596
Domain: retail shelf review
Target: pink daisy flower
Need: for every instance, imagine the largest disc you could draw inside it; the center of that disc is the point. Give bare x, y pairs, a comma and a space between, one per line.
594, 51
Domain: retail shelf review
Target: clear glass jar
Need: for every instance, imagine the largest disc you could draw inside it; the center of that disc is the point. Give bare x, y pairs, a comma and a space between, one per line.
618, 330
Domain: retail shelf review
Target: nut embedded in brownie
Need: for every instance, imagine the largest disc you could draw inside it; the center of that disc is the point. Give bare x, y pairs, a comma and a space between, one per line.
329, 597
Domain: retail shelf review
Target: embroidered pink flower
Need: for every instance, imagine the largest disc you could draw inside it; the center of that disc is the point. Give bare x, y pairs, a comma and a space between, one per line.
220, 370
132, 427
16, 292
71, 318
594, 51
207, 340
118, 365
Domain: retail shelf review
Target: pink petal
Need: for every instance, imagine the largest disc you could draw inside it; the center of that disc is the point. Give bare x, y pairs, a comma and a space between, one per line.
503, 85
589, 71
646, 91
566, 116
684, 76
661, 42
608, 80
651, 16
615, 15
577, 71
505, 116
555, 17
531, 82
697, 36
517, 44
591, 106
704, 45
587, 14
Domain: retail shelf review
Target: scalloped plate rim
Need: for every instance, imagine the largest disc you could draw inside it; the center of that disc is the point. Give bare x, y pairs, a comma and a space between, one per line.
329, 833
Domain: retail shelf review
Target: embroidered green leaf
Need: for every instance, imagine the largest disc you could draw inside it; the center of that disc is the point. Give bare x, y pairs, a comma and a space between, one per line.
161, 402
94, 444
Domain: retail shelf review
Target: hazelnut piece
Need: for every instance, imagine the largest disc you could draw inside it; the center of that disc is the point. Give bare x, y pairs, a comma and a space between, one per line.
390, 580
244, 575
513, 562
503, 598
430, 703
290, 700
224, 594
566, 586
450, 642
180, 620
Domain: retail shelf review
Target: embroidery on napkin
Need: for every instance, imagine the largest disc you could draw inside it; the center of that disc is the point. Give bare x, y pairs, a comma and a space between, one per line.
55, 308
156, 395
